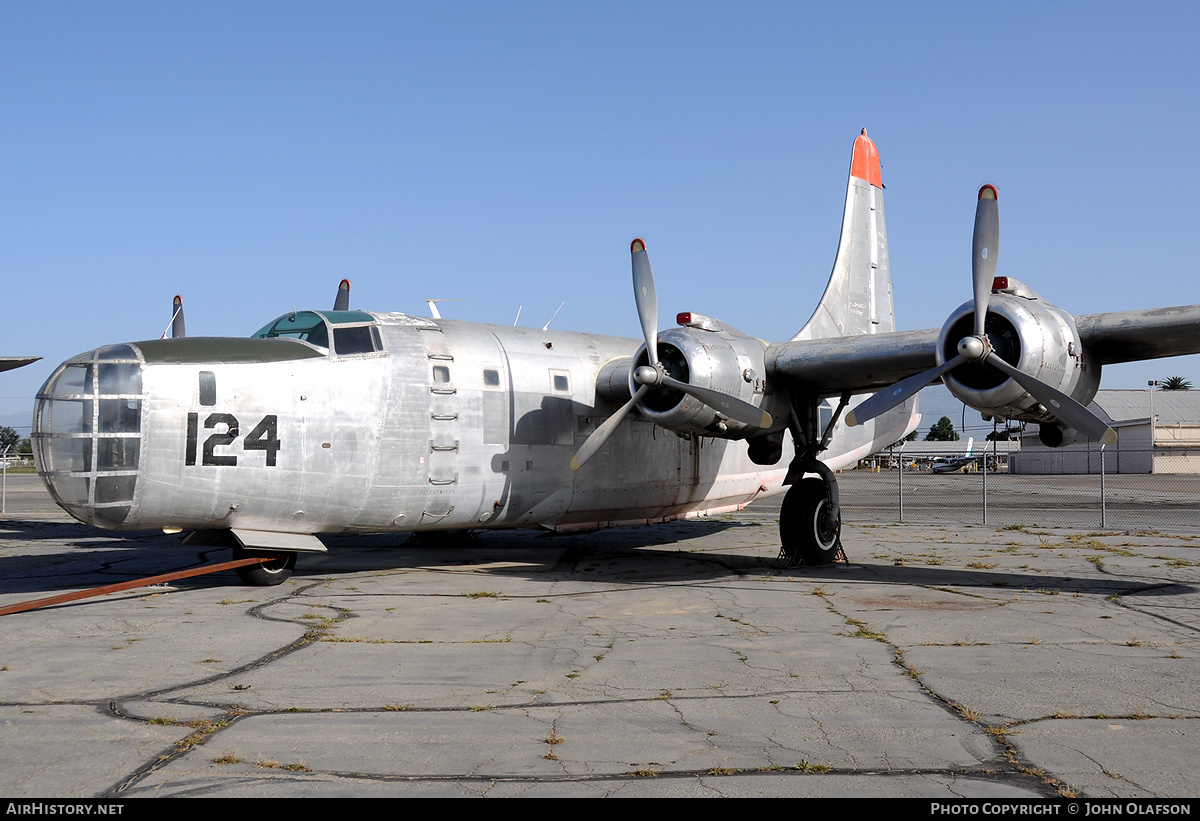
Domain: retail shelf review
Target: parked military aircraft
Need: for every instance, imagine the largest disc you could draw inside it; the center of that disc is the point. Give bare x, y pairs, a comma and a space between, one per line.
350, 421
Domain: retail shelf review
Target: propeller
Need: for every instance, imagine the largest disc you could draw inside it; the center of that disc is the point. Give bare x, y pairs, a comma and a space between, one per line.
977, 348
177, 327
342, 302
985, 248
655, 375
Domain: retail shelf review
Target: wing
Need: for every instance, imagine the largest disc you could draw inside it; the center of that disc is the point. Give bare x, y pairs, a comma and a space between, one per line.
1128, 336
7, 363
858, 364
866, 363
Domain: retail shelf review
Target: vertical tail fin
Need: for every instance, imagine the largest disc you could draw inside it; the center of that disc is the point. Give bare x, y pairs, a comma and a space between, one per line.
858, 298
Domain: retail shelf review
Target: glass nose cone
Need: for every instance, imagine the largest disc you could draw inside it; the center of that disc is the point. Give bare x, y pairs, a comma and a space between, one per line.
87, 434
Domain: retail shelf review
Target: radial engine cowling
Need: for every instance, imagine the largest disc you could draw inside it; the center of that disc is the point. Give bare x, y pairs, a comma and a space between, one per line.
1030, 334
720, 358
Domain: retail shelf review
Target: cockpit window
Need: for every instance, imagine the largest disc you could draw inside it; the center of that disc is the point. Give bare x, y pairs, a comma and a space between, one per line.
356, 339
314, 328
306, 326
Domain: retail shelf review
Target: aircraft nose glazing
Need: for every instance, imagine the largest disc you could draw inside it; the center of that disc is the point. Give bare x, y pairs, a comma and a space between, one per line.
87, 434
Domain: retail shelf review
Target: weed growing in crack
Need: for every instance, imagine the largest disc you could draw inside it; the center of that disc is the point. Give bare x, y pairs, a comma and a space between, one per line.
804, 766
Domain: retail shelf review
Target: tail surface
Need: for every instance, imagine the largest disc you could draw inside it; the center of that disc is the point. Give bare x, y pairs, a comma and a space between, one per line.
858, 298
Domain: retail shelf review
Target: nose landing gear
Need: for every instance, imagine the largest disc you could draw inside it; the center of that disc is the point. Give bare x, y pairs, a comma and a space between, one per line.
266, 574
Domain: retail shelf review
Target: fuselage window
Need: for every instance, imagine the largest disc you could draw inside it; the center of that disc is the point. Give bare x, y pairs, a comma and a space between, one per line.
491, 377
360, 339
208, 388
562, 383
441, 373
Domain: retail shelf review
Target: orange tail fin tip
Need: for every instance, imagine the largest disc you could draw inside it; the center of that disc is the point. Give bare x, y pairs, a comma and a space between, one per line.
865, 164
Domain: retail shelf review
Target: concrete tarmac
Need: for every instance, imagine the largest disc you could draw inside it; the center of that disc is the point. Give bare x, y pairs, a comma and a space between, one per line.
676, 660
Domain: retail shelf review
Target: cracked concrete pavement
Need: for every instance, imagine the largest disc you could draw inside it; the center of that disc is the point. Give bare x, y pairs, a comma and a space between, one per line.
675, 660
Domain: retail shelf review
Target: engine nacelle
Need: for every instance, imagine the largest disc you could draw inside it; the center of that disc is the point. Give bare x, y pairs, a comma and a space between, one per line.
711, 355
1033, 336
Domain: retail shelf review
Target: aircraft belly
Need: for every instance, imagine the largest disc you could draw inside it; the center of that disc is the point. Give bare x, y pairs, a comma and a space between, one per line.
669, 477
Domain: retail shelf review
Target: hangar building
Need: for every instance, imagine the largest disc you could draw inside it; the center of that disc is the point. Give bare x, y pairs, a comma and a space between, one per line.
1171, 444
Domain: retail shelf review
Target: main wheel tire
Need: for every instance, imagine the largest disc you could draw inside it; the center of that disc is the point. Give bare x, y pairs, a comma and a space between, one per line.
807, 531
276, 571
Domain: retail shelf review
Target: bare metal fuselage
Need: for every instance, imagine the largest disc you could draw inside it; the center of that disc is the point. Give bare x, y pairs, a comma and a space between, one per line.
449, 425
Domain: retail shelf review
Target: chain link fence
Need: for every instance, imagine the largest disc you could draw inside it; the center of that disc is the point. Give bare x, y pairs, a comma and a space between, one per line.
910, 490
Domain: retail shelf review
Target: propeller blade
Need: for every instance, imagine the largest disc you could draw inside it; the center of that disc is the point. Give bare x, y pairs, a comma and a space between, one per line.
342, 301
600, 435
646, 297
731, 406
985, 249
178, 328
903, 390
1058, 403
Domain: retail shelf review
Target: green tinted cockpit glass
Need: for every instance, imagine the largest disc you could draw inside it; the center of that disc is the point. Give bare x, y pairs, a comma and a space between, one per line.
346, 317
307, 326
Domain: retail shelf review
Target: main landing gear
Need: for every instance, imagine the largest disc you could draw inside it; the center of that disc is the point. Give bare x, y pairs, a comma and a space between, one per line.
810, 524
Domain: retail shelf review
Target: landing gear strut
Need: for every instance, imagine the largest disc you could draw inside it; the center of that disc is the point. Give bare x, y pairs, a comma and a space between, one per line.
810, 525
266, 574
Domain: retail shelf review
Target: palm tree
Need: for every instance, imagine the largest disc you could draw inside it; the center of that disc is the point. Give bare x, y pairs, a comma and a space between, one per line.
1176, 383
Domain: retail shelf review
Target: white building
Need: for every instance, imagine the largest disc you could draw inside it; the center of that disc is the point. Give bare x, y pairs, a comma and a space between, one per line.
1170, 445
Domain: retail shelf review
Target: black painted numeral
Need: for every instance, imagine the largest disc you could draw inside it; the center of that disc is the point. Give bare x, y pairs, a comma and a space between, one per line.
265, 436
219, 439
189, 456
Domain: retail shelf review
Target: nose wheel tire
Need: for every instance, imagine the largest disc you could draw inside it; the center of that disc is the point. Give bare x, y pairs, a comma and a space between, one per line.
808, 530
276, 571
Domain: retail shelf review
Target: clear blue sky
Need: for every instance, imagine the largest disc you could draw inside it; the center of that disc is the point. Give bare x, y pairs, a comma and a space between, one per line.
250, 155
